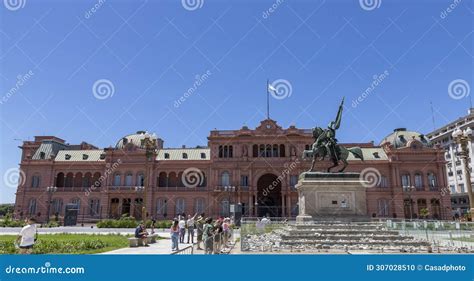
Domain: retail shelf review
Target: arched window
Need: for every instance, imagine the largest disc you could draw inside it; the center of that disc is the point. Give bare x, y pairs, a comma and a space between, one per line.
418, 181
432, 182
435, 208
231, 151
268, 150
172, 180
255, 150
180, 206
261, 150
161, 206
87, 180
282, 150
35, 181
180, 179
406, 181
96, 180
204, 180
60, 180
140, 179
117, 179
78, 180
69, 179
225, 179
275, 150
162, 180
221, 151
32, 207
199, 205
129, 179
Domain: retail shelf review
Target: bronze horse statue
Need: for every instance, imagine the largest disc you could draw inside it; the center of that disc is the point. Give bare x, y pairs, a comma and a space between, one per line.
340, 153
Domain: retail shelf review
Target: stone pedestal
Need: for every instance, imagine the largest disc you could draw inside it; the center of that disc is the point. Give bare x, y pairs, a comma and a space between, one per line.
331, 195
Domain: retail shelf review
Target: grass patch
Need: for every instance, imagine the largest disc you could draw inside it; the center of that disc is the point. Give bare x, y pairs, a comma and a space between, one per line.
68, 243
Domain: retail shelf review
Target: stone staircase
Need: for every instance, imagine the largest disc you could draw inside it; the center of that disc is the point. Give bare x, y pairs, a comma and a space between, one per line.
344, 235
335, 237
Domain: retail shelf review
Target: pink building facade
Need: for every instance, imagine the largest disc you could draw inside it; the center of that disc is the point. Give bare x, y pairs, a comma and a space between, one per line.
254, 170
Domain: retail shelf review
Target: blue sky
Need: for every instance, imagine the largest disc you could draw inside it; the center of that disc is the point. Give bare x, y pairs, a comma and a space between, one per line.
152, 52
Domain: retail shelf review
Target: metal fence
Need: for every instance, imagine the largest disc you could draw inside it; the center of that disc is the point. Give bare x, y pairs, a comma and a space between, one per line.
189, 250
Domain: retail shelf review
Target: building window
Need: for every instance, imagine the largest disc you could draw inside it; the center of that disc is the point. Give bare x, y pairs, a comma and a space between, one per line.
167, 156
94, 207
69, 180
117, 180
162, 180
226, 151
57, 206
161, 206
406, 181
282, 150
87, 180
199, 205
128, 179
224, 208
244, 180
453, 188
180, 207
32, 207
42, 155
140, 180
203, 155
418, 181
255, 150
432, 182
383, 182
225, 179
383, 210
293, 181
185, 156
35, 181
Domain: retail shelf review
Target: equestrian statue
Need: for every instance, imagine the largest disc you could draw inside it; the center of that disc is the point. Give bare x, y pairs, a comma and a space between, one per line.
325, 145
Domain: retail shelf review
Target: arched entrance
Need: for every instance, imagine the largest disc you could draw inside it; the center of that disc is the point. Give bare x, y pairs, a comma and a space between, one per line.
269, 196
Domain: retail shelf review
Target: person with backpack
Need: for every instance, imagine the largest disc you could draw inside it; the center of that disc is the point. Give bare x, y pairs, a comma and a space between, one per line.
207, 236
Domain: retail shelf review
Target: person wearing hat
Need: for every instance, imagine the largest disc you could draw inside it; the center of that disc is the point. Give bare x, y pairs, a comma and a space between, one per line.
200, 226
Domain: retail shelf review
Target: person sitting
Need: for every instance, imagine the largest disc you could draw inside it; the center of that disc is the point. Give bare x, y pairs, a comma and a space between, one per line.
142, 234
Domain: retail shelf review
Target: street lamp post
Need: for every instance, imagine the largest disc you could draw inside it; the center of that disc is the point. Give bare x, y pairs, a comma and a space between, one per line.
150, 145
409, 190
462, 138
50, 190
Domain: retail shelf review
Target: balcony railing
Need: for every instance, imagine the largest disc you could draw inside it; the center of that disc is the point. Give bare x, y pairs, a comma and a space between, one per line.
180, 188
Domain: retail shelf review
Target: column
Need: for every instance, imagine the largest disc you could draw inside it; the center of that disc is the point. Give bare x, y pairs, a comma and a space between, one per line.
283, 197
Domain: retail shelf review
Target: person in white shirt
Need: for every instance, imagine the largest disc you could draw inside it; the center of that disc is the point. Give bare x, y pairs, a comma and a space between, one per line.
26, 237
182, 228
190, 225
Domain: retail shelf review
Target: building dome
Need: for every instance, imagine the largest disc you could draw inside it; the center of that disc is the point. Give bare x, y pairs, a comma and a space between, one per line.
137, 139
401, 137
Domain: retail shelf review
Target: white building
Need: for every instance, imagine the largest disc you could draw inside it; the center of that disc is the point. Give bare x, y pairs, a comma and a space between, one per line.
455, 165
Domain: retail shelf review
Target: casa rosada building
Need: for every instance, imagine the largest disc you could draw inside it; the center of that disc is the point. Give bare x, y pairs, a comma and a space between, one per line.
252, 170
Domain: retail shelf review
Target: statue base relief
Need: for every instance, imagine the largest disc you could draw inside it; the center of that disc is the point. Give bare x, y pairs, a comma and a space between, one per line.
331, 196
